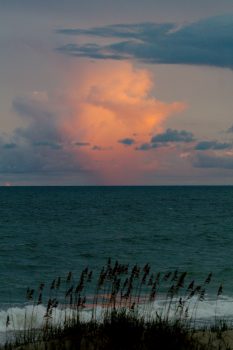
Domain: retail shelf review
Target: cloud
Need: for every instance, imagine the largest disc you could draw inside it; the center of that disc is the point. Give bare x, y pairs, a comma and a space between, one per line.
166, 138
42, 119
39, 147
146, 146
9, 145
206, 42
32, 108
230, 129
100, 148
139, 31
104, 103
212, 161
127, 141
97, 148
214, 145
171, 135
115, 99
28, 160
52, 145
82, 144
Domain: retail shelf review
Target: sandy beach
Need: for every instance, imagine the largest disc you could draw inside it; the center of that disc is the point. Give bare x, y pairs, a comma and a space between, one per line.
219, 340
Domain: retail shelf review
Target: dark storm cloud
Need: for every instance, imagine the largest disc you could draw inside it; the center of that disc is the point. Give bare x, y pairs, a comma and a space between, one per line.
215, 145
127, 141
206, 42
211, 161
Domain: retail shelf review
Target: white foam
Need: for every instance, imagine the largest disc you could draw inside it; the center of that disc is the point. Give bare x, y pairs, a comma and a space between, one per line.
207, 311
26, 317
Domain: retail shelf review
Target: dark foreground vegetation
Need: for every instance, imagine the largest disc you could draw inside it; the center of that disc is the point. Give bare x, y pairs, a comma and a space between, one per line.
121, 312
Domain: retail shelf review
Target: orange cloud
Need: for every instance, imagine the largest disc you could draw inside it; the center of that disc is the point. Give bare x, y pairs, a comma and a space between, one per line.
110, 102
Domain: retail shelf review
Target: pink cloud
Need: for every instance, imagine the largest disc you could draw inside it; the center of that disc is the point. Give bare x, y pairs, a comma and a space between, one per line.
104, 103
113, 102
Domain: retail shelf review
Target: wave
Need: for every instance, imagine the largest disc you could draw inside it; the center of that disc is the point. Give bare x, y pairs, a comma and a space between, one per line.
18, 318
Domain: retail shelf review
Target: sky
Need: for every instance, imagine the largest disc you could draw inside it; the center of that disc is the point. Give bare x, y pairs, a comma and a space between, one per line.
107, 92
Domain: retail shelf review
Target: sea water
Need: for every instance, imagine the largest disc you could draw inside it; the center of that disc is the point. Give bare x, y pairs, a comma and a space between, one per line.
46, 232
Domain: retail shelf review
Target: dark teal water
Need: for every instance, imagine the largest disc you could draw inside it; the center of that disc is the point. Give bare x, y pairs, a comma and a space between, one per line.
47, 231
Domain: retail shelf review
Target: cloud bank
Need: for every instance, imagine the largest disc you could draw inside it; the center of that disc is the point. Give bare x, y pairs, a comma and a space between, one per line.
207, 161
206, 42
39, 148
214, 145
89, 130
92, 133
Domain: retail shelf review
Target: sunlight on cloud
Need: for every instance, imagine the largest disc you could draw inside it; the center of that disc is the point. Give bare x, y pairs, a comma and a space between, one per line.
93, 128
113, 102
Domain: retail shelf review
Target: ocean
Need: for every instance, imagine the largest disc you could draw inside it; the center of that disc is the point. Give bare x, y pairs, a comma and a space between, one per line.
48, 231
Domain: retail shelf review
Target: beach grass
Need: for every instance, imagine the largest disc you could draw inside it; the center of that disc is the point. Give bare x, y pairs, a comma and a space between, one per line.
122, 308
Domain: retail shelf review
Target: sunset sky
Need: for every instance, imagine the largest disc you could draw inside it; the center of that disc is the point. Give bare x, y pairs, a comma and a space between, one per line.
106, 92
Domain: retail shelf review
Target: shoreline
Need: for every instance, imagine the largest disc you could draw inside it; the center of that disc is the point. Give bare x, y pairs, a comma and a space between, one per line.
132, 317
